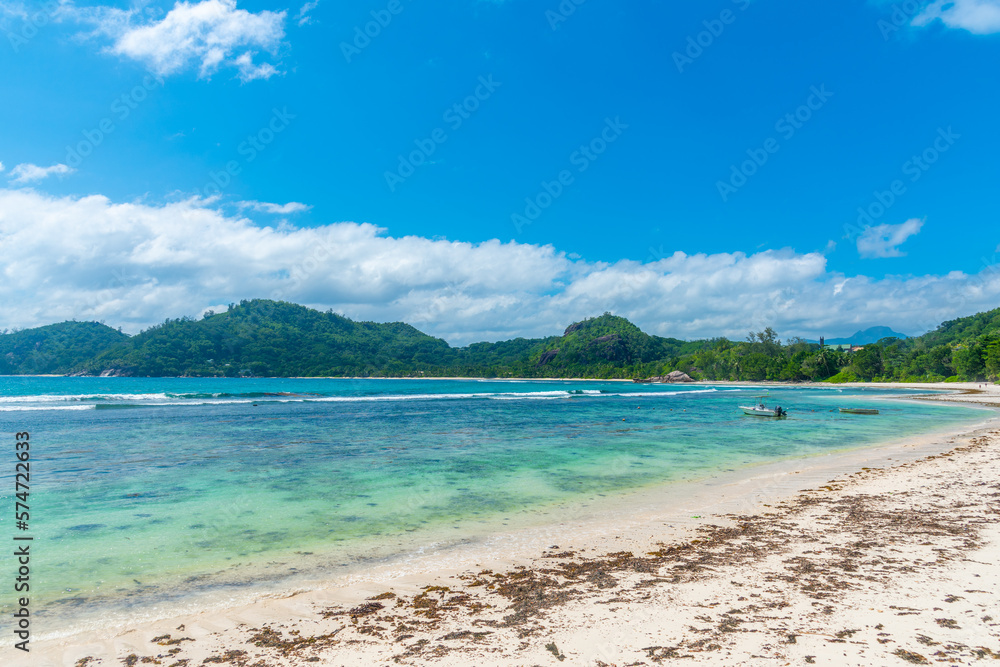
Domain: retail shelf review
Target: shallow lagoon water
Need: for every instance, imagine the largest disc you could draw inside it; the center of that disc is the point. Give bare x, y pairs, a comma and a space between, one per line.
147, 490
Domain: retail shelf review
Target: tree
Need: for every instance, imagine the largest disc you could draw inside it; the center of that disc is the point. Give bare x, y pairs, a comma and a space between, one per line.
821, 365
868, 362
992, 357
969, 361
768, 335
755, 366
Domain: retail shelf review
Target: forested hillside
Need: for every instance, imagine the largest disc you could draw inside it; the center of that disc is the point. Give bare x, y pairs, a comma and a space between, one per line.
54, 349
269, 338
966, 349
603, 347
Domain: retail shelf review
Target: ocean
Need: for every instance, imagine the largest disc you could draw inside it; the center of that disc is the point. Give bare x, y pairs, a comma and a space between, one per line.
151, 494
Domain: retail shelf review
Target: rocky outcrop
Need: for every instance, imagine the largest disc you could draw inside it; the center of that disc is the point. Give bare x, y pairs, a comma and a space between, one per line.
547, 356
671, 377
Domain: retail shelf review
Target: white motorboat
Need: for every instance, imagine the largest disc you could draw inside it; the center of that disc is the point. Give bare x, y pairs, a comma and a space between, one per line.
760, 409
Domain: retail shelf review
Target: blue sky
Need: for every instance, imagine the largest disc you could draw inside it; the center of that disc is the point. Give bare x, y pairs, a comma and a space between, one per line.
491, 169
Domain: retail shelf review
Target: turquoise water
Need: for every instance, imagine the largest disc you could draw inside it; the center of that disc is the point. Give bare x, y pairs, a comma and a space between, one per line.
150, 490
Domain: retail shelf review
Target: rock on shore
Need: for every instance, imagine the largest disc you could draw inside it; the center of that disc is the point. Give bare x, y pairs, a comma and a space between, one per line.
672, 376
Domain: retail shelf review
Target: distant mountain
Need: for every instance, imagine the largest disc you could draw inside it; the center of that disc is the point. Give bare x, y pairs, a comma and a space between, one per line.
865, 337
56, 348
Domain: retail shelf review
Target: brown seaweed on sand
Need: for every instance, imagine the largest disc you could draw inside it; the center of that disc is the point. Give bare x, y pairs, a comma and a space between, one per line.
808, 551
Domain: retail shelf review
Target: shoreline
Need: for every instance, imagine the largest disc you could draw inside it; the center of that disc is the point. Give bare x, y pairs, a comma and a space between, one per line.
945, 386
718, 495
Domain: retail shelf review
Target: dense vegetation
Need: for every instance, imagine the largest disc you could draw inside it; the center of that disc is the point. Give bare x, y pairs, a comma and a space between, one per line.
54, 349
268, 338
602, 347
967, 349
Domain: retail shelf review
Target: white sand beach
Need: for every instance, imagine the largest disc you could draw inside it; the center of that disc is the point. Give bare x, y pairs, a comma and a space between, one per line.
875, 557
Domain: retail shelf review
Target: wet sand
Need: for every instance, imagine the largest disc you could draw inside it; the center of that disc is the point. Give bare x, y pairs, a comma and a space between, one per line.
881, 556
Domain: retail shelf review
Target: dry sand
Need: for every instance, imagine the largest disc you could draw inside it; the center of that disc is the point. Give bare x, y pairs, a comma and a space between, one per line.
881, 557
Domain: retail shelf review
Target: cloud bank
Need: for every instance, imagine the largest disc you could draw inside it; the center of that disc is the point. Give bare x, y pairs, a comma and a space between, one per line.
133, 264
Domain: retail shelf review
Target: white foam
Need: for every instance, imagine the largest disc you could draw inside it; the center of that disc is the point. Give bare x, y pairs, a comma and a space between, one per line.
28, 408
50, 402
66, 398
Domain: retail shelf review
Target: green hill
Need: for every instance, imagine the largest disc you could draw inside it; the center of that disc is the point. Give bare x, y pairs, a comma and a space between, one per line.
270, 338
605, 346
267, 338
507, 358
598, 347
54, 349
964, 329
967, 348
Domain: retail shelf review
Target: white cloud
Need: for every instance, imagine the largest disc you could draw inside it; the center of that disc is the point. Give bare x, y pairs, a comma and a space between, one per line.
250, 71
209, 35
27, 172
278, 209
884, 240
109, 21
134, 264
981, 17
303, 16
1, 166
